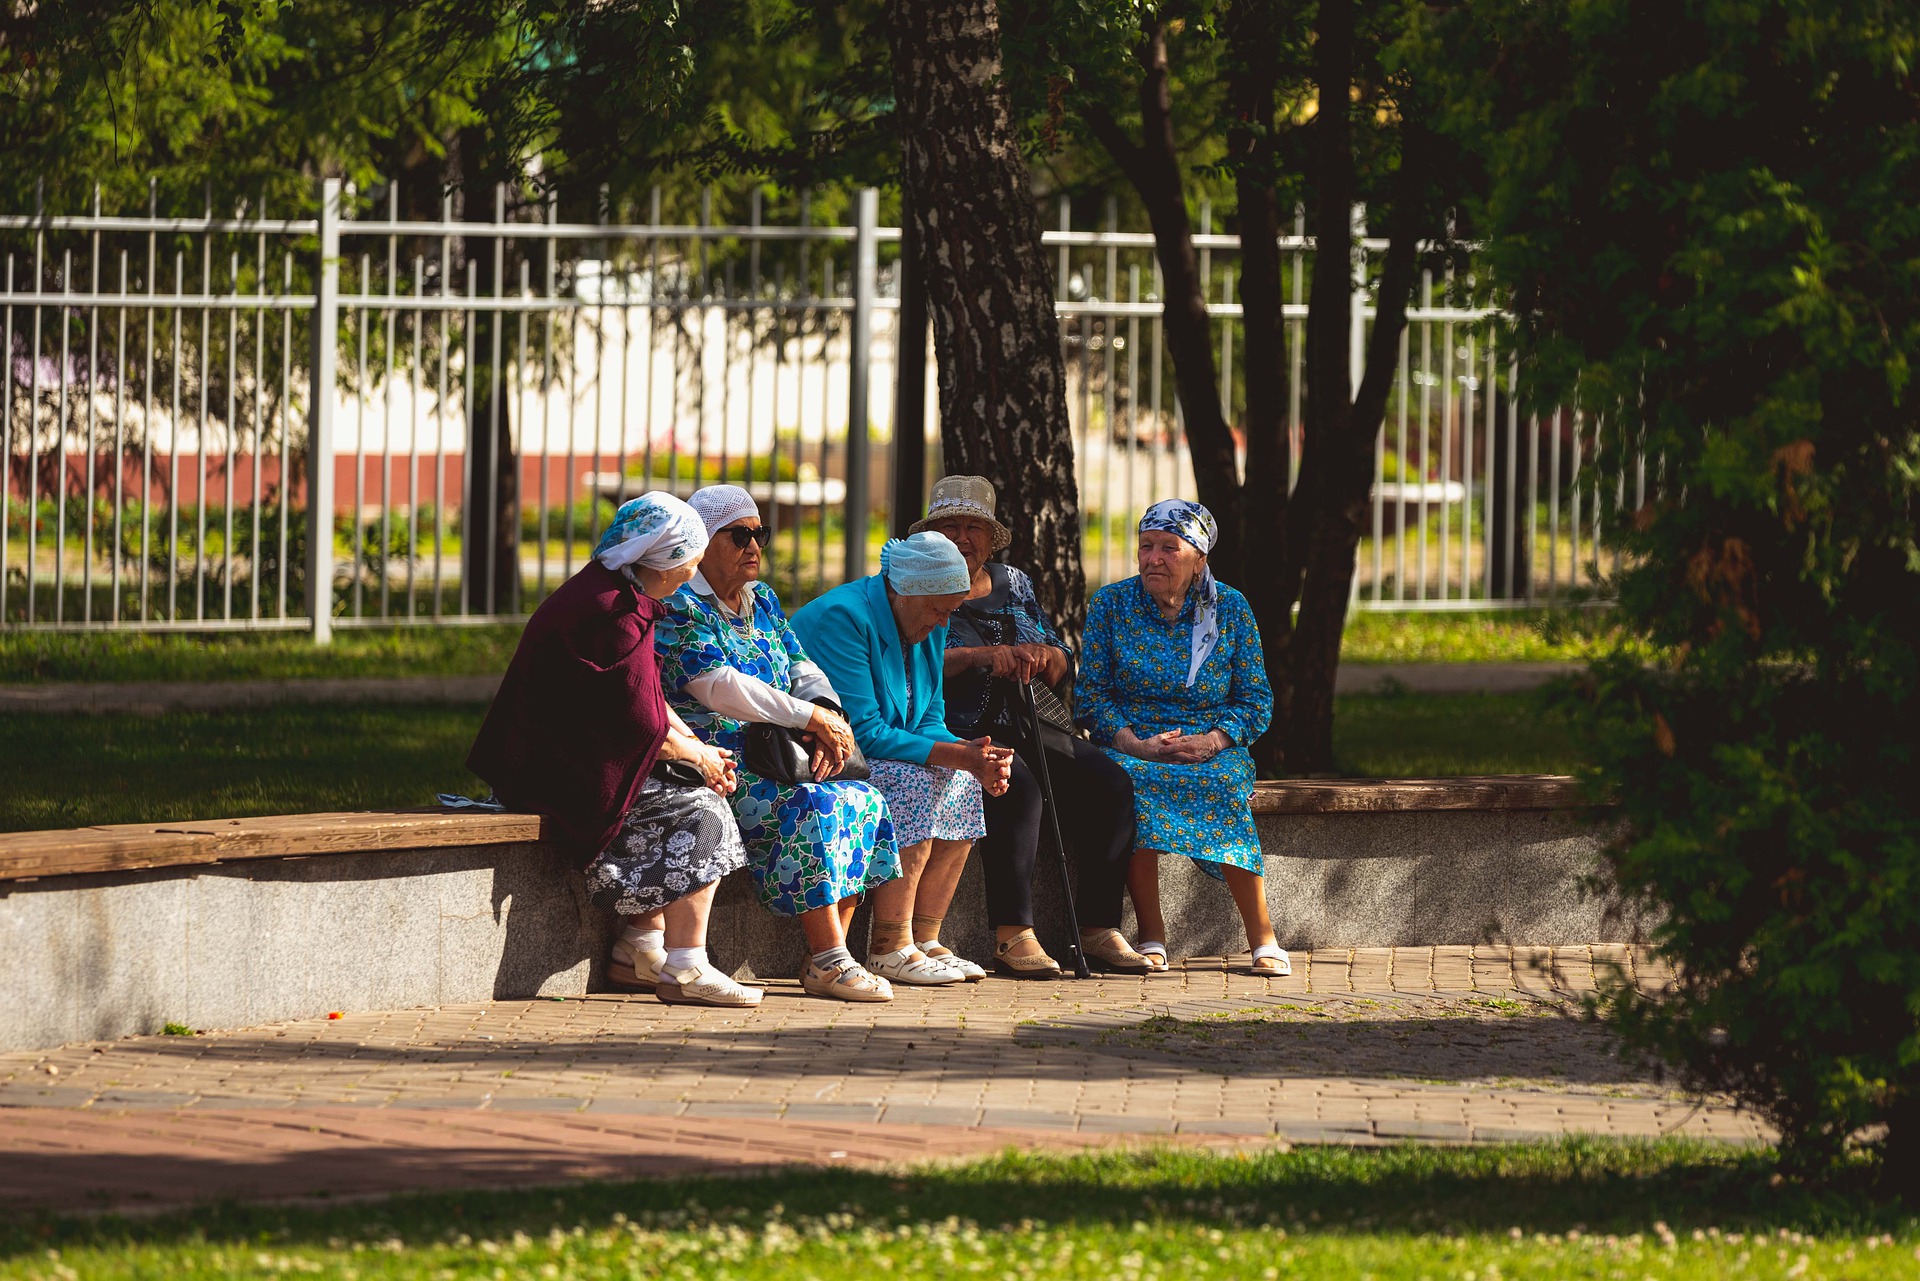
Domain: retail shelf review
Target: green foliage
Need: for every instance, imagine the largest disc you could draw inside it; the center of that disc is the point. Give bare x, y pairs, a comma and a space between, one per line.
176, 1029
1716, 230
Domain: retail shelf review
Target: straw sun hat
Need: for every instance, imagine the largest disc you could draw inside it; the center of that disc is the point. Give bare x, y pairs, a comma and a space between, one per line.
964, 496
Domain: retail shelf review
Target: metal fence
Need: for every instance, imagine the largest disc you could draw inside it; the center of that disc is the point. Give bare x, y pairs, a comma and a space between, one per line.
435, 418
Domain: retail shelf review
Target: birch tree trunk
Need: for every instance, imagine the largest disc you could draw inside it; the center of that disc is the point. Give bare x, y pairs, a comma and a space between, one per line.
1003, 401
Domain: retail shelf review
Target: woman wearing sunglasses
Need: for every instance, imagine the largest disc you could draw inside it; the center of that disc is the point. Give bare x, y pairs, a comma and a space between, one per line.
729, 659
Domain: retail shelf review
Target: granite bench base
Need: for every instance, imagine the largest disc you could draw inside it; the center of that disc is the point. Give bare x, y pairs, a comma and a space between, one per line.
95, 955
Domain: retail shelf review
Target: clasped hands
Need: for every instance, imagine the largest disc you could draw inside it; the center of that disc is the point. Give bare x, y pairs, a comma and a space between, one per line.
1174, 746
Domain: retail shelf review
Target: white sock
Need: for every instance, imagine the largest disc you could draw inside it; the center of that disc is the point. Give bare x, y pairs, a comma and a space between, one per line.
643, 940
682, 959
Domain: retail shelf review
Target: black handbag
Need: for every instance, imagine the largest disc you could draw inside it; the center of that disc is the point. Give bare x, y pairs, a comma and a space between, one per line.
776, 753
679, 774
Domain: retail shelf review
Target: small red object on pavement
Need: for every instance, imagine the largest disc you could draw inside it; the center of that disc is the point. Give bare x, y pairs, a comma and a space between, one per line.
335, 1014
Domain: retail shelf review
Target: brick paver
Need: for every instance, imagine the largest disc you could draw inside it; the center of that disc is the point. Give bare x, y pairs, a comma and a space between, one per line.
1359, 1046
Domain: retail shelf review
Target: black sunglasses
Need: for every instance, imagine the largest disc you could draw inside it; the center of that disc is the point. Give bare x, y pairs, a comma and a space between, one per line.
742, 535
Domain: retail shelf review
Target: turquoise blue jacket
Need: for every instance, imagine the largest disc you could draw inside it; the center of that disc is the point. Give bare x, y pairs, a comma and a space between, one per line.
850, 632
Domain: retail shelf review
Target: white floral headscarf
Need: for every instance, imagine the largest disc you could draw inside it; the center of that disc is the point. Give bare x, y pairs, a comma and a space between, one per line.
1197, 526
655, 530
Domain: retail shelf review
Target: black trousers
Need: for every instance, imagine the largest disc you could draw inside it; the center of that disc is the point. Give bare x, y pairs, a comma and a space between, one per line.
1095, 797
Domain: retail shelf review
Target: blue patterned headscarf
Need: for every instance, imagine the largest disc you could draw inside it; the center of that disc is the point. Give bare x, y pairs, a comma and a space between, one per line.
1197, 526
655, 530
927, 564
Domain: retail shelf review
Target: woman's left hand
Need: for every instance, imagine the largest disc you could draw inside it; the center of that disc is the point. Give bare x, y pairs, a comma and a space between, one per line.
1044, 661
831, 740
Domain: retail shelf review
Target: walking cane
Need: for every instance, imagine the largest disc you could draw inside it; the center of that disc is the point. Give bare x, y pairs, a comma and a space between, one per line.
1032, 732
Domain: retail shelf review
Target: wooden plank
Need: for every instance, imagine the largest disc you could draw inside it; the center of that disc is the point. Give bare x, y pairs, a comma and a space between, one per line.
131, 846
1413, 795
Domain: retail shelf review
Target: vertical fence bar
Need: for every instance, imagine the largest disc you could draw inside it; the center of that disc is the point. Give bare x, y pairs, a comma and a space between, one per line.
866, 267
62, 407
146, 414
326, 330
93, 385
232, 445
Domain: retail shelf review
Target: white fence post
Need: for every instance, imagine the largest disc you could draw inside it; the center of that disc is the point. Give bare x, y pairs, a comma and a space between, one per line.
326, 329
866, 269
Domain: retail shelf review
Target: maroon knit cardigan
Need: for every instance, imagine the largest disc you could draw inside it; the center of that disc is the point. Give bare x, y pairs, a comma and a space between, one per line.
579, 718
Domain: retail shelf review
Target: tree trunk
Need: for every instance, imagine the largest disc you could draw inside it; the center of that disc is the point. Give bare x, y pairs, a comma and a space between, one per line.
490, 555
1003, 403
1338, 476
1153, 168
1264, 500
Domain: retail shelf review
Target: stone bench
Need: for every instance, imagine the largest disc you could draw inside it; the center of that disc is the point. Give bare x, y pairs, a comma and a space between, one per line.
116, 930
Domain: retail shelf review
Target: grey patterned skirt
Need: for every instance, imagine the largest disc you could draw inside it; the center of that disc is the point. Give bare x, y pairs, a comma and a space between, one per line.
672, 841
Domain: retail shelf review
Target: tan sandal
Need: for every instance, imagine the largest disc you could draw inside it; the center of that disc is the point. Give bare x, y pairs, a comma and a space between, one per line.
1024, 967
1110, 951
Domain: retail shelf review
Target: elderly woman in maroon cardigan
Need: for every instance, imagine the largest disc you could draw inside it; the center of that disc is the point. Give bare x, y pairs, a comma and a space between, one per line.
580, 732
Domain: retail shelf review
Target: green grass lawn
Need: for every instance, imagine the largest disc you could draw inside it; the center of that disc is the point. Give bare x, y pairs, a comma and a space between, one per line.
458, 651
75, 771
1580, 1209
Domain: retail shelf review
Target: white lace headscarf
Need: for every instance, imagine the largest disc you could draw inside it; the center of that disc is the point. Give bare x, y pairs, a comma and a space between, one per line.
1196, 525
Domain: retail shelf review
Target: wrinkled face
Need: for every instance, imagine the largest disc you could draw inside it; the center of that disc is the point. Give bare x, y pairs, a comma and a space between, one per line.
973, 536
917, 616
1168, 563
727, 562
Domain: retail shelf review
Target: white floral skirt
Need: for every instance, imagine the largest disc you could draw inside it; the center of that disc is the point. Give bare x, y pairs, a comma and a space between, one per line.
672, 841
927, 801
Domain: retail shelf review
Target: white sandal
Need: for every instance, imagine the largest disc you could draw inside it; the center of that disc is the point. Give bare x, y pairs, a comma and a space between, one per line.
1270, 961
911, 966
1156, 954
704, 985
934, 949
637, 971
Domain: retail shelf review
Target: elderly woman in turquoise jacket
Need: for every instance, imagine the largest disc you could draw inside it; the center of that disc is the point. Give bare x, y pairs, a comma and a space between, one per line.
882, 642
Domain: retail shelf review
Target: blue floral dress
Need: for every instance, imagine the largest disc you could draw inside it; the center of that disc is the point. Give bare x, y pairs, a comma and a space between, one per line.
809, 845
1133, 675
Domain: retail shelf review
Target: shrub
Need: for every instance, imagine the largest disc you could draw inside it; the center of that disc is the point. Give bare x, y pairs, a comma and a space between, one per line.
1715, 231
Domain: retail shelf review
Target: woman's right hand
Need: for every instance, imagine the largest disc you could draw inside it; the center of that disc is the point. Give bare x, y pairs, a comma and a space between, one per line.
1154, 747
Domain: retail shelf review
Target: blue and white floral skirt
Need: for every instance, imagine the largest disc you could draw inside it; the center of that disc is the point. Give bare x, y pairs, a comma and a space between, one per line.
927, 801
672, 841
813, 844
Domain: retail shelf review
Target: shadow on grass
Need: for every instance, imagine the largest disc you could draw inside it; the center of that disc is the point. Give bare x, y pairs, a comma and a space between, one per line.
1589, 1185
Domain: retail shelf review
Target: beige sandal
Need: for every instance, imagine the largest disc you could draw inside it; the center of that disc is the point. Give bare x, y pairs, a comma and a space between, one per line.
847, 981
1010, 966
1109, 950
635, 970
704, 985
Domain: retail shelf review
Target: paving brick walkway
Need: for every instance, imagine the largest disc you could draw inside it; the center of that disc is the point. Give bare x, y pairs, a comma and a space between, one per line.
1359, 1046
